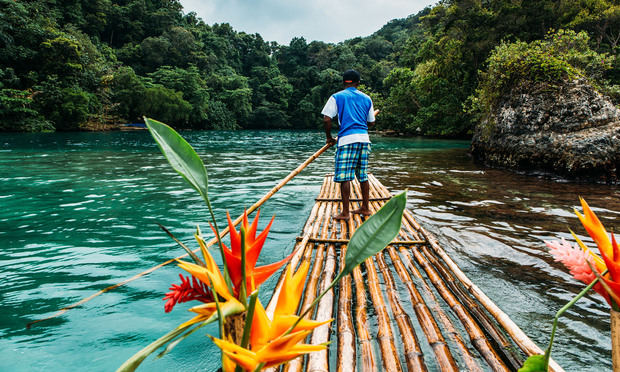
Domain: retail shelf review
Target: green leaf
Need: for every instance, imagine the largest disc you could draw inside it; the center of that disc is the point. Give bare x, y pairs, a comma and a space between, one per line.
229, 308
180, 155
535, 363
375, 233
369, 239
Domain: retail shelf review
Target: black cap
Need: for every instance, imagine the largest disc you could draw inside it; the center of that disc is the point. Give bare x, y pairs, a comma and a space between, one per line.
351, 76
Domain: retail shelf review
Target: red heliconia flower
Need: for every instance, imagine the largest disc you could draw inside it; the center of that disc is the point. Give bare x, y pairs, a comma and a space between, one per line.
255, 276
187, 291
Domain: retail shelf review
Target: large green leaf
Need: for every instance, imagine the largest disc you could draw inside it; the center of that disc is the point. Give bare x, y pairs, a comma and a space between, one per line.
375, 233
231, 307
180, 155
369, 239
132, 363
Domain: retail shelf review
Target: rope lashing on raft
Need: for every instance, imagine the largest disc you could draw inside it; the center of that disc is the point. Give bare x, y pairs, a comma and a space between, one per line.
346, 241
255, 206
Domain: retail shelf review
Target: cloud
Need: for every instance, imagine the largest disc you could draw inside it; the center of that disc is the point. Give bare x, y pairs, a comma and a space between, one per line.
324, 20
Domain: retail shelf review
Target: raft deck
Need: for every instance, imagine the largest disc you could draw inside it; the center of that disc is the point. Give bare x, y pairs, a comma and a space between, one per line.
408, 308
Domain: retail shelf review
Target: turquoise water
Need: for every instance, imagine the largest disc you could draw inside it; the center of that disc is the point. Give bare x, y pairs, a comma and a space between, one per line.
78, 212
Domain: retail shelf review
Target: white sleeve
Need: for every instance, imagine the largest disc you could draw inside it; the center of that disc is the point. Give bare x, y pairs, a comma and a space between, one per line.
330, 109
371, 114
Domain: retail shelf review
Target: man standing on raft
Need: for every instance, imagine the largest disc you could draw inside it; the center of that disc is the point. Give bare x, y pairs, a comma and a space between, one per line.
355, 111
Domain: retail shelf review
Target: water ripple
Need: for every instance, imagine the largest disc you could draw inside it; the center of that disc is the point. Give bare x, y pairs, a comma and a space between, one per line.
79, 213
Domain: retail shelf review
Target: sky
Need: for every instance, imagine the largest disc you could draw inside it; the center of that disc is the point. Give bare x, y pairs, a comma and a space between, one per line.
325, 20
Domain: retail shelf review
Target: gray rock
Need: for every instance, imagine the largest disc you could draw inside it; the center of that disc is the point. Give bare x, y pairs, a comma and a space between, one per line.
570, 131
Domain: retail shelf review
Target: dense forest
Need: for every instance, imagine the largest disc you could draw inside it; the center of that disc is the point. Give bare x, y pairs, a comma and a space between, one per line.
88, 65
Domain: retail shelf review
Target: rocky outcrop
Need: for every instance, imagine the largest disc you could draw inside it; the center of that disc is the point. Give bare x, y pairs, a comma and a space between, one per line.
571, 131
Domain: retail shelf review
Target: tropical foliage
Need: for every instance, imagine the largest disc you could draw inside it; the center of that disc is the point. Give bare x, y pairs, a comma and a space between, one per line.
88, 64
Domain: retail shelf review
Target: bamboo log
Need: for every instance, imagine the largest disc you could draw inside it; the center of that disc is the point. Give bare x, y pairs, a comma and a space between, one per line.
346, 360
413, 353
318, 361
424, 315
384, 333
315, 215
480, 317
352, 199
517, 335
615, 340
311, 288
367, 354
476, 334
470, 363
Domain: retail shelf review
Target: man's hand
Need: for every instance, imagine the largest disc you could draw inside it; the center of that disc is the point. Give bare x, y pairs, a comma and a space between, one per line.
327, 122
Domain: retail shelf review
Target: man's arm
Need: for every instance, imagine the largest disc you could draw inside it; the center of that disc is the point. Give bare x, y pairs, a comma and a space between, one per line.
372, 123
327, 123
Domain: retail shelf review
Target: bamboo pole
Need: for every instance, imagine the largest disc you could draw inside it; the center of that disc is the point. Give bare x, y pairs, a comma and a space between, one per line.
313, 223
427, 322
346, 360
311, 288
470, 363
384, 333
368, 359
615, 340
315, 215
255, 206
318, 361
518, 336
475, 333
413, 352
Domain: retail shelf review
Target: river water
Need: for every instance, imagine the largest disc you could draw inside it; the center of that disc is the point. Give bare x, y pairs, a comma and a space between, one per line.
78, 212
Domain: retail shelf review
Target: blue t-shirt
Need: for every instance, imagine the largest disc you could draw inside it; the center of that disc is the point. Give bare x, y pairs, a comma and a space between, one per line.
354, 110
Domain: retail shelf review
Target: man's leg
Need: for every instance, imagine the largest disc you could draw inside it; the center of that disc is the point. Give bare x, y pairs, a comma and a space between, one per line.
343, 174
345, 190
364, 210
362, 176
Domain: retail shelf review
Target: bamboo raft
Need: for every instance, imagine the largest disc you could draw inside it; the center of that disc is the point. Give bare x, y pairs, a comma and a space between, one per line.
438, 321
444, 322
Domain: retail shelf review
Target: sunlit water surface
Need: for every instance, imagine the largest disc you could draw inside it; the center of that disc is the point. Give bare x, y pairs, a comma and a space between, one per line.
78, 212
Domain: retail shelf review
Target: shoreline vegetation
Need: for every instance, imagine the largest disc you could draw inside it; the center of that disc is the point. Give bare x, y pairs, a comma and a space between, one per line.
89, 65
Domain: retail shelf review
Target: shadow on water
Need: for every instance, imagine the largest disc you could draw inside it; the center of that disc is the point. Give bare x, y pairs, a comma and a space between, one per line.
79, 213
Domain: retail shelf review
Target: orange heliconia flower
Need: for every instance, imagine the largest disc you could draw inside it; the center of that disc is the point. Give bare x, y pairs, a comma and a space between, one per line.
211, 276
255, 276
607, 247
270, 344
595, 228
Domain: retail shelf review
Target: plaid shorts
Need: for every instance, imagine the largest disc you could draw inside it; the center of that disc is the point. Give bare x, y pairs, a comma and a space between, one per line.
352, 159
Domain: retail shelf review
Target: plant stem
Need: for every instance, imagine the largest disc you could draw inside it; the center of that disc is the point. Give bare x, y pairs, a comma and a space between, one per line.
248, 319
219, 241
559, 314
243, 290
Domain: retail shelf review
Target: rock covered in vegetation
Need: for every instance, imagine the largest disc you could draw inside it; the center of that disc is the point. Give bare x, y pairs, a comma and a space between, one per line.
569, 130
